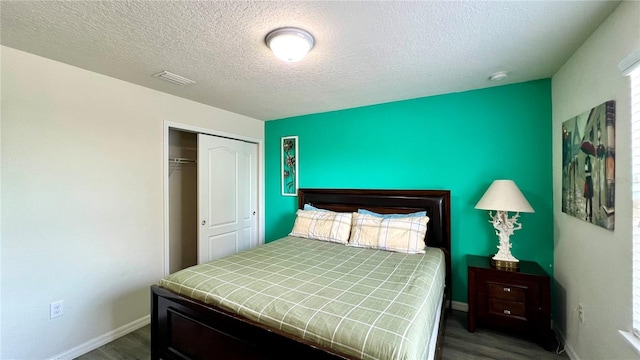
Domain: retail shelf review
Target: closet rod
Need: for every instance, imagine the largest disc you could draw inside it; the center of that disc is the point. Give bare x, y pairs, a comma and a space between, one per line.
182, 161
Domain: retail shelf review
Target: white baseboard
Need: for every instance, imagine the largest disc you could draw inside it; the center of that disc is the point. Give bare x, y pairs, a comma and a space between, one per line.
103, 339
567, 348
460, 306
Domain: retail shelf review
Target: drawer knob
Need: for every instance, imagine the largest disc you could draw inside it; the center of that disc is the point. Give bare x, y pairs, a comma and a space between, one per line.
507, 289
508, 312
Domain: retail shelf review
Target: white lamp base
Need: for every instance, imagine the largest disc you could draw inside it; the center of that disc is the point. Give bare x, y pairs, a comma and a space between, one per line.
505, 226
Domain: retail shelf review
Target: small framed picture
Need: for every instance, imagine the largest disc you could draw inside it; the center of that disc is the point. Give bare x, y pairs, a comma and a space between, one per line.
289, 159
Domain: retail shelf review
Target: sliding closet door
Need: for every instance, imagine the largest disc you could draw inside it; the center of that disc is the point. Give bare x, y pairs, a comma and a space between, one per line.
227, 196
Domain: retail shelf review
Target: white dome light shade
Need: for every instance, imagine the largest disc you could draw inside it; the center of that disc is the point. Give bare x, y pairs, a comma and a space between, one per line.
289, 44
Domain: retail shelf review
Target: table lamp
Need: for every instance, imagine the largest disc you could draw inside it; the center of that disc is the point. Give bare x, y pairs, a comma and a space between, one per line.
504, 196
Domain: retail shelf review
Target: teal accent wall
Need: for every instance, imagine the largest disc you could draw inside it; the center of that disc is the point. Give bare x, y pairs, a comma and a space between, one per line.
460, 141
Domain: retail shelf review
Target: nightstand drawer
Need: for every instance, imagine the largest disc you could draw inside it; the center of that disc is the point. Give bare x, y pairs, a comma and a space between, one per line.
508, 308
507, 292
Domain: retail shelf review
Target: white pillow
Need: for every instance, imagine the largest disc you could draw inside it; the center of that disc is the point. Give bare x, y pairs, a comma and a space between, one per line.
404, 235
322, 225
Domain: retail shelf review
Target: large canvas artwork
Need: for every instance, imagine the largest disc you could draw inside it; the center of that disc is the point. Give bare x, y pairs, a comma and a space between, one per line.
588, 165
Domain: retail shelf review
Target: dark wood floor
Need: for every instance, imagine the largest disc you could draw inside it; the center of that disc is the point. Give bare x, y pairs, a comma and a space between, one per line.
484, 344
459, 344
133, 346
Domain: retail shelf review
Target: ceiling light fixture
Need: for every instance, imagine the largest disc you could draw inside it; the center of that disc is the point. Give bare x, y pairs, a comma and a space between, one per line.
289, 44
500, 75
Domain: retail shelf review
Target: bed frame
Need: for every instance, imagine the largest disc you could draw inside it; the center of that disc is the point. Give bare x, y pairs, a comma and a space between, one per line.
183, 328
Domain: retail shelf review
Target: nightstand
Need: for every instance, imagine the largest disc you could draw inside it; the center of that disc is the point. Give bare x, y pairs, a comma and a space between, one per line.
514, 300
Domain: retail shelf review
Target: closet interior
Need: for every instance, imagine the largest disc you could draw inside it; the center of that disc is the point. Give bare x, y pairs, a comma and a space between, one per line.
183, 199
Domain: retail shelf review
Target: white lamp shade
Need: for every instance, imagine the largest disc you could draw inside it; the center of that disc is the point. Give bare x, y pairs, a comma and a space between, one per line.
290, 44
504, 195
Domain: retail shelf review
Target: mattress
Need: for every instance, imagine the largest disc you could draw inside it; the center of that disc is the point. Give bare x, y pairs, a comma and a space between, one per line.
363, 303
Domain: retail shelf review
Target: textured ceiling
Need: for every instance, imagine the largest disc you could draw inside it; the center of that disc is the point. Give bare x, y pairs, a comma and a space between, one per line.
365, 53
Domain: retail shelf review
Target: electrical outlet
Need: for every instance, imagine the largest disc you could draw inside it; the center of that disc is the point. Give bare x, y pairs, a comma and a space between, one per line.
581, 313
56, 309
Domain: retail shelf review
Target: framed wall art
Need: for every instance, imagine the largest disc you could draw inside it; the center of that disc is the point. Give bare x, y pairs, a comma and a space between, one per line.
588, 165
289, 165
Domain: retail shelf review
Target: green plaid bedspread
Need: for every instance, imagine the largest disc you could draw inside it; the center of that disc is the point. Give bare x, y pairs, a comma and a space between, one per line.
363, 303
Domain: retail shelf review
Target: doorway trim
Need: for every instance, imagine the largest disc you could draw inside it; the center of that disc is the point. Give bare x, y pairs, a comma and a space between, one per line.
165, 166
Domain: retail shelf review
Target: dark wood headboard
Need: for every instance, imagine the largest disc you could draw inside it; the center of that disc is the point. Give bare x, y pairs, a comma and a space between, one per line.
437, 204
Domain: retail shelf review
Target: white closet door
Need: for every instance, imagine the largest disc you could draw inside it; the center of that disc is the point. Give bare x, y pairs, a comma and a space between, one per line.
227, 197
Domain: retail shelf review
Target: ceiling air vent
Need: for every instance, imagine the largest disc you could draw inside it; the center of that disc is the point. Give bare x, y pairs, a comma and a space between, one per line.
173, 78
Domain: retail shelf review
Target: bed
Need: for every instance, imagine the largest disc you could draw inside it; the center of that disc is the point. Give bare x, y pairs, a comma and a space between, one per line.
187, 325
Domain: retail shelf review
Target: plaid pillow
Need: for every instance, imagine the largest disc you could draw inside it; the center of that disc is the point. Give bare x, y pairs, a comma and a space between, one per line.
322, 225
365, 230
405, 235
